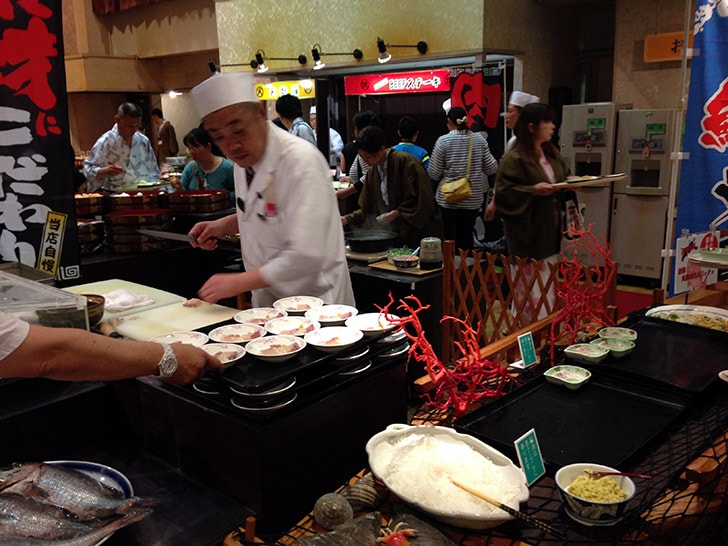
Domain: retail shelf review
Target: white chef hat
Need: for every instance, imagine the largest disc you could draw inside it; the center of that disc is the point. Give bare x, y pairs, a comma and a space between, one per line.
312, 111
221, 90
519, 98
447, 105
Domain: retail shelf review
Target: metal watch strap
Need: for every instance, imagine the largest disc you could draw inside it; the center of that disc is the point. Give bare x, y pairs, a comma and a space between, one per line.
168, 363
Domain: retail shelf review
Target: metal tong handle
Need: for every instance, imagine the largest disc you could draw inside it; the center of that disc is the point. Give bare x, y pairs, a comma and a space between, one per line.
515, 513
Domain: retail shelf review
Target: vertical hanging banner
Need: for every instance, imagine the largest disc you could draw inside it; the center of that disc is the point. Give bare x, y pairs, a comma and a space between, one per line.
36, 188
703, 196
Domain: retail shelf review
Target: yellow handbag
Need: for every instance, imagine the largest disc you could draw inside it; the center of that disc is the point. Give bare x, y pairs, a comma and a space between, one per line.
459, 189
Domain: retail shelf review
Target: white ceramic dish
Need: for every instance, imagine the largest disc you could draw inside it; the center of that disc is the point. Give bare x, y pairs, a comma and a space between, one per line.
190, 338
372, 324
242, 405
259, 315
587, 353
697, 315
276, 348
291, 326
298, 305
386, 448
590, 512
237, 333
332, 339
616, 331
571, 377
332, 315
227, 353
617, 346
715, 254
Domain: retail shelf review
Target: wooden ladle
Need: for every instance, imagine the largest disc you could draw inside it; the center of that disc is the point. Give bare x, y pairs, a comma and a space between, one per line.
600, 473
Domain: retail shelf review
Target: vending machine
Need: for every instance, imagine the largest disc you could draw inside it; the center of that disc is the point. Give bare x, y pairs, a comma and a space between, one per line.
588, 135
641, 200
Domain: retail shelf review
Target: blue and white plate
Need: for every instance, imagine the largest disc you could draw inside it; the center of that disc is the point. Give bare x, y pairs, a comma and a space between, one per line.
110, 477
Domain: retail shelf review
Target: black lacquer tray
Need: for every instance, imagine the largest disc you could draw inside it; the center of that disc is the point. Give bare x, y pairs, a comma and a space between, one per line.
607, 421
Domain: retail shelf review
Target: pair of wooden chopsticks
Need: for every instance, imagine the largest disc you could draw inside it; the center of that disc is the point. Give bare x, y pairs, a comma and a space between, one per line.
515, 513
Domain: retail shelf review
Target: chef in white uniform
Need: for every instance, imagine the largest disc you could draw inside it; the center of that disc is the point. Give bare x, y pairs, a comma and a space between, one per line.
287, 216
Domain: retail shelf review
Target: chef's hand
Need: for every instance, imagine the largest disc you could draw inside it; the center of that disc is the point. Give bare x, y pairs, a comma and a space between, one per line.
220, 286
388, 217
206, 235
192, 363
544, 189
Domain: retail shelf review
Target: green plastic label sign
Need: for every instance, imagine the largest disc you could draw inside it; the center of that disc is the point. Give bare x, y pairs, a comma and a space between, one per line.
529, 456
527, 348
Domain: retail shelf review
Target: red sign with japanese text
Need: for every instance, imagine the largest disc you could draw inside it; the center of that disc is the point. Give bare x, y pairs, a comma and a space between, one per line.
36, 159
425, 81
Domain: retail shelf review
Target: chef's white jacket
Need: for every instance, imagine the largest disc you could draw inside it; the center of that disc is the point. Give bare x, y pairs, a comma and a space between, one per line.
290, 227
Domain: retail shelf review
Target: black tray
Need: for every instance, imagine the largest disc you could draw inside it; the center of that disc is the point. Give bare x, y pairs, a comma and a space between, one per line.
672, 354
607, 421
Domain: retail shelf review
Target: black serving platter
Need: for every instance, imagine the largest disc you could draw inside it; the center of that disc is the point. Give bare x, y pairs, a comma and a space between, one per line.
669, 354
607, 421
254, 375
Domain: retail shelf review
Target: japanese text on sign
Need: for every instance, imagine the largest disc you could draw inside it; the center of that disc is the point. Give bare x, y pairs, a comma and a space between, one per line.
426, 81
50, 250
529, 456
303, 89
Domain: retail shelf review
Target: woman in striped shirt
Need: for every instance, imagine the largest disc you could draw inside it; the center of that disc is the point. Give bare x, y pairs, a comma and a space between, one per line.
449, 161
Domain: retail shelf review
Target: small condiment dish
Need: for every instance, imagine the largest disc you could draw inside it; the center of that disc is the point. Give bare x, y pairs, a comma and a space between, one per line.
587, 353
618, 347
571, 377
406, 261
616, 331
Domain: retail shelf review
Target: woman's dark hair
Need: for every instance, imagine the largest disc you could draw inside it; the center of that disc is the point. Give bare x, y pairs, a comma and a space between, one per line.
200, 137
458, 116
534, 113
365, 118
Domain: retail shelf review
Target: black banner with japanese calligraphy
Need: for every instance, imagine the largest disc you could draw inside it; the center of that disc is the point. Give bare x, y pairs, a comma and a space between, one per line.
37, 209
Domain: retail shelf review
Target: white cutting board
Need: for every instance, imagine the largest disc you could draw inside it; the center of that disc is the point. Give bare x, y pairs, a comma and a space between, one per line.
160, 297
175, 317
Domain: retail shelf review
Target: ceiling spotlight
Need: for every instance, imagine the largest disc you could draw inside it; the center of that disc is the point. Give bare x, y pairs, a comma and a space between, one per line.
318, 63
213, 67
383, 55
358, 54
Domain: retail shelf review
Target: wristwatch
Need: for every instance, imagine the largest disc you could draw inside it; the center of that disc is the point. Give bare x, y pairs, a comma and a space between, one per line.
168, 364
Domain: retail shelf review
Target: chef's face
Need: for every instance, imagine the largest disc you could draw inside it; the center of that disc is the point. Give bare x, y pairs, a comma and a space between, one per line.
512, 113
240, 130
127, 126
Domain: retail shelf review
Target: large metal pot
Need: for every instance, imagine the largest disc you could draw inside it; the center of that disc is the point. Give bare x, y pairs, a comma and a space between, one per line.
367, 241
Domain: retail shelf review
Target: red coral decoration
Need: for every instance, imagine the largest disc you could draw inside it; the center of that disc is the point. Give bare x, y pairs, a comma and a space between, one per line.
583, 299
469, 379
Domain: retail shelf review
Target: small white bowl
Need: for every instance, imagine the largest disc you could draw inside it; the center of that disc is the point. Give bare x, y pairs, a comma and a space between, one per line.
571, 377
372, 324
227, 353
259, 315
189, 337
298, 305
332, 315
237, 333
332, 339
618, 347
590, 512
586, 352
276, 348
615, 331
291, 326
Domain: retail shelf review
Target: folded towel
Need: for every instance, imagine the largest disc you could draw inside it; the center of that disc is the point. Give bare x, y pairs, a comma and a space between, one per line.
121, 299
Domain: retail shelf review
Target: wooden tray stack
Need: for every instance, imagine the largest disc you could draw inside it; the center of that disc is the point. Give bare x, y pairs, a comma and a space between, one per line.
121, 229
142, 199
199, 200
89, 204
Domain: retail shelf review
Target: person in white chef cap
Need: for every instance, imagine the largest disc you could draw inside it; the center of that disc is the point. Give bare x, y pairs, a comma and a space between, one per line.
290, 231
516, 102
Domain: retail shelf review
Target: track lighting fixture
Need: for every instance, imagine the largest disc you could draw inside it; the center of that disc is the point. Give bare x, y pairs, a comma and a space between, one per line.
384, 56
317, 52
260, 57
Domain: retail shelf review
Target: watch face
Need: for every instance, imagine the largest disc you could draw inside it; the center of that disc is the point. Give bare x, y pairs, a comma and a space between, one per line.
168, 364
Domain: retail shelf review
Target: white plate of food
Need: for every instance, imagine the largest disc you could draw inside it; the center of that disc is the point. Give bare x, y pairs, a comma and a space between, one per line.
298, 305
276, 348
237, 333
332, 339
332, 315
704, 316
618, 332
259, 315
292, 326
586, 352
372, 324
189, 337
227, 353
